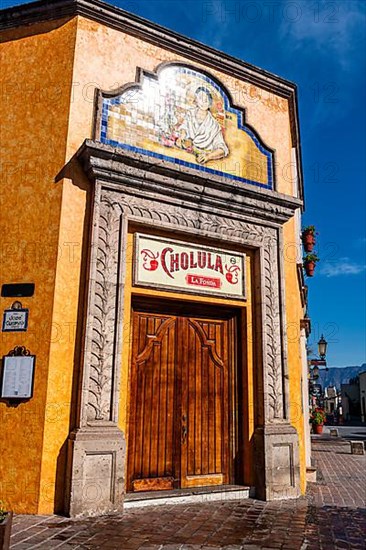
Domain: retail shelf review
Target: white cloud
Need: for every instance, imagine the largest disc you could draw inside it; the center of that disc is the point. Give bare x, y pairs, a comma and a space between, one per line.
344, 266
336, 28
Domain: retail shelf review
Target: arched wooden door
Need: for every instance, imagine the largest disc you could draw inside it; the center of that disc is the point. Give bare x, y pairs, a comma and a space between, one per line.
181, 401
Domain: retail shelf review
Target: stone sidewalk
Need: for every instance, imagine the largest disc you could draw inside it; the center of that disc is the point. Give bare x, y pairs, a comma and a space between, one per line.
332, 516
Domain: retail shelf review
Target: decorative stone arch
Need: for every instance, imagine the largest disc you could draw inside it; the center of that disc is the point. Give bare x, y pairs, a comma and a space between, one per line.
128, 188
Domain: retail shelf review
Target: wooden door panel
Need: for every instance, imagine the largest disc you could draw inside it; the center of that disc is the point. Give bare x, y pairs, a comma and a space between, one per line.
180, 402
151, 426
205, 402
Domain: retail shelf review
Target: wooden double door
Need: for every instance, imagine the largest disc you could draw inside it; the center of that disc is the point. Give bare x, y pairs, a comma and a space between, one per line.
182, 400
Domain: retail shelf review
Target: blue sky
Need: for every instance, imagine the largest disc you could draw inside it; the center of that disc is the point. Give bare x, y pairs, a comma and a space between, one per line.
321, 46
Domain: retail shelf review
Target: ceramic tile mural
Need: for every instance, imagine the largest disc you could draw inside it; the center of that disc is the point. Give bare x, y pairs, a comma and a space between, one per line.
185, 117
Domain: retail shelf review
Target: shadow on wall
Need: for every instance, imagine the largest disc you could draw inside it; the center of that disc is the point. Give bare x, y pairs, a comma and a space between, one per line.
73, 171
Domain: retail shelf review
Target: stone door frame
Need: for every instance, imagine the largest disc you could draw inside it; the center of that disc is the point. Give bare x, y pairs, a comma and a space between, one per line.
130, 188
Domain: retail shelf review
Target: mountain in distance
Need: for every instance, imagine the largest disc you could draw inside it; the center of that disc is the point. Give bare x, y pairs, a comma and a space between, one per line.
335, 376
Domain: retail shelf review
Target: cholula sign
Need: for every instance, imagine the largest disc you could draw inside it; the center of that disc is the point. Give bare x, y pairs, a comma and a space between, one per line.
176, 265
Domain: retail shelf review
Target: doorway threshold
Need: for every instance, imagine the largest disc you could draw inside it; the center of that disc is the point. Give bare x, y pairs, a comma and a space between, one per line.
185, 496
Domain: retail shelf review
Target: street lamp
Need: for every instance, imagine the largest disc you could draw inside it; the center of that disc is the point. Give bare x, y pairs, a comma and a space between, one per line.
322, 347
322, 352
314, 365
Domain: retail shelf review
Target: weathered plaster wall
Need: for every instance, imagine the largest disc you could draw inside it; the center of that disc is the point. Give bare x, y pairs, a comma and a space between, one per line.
36, 66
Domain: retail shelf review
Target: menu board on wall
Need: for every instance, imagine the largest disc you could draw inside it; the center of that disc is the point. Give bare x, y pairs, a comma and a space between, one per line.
17, 377
186, 267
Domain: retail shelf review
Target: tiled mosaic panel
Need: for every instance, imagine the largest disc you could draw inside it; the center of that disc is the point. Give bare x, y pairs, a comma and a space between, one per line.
184, 116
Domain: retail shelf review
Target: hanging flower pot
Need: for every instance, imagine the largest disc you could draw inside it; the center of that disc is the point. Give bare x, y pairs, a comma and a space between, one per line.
309, 263
309, 268
308, 238
308, 242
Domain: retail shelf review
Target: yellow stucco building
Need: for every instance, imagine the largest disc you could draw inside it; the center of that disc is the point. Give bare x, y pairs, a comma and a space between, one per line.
152, 193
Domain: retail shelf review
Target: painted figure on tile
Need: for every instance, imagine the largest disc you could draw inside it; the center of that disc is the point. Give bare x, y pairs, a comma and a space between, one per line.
168, 121
200, 132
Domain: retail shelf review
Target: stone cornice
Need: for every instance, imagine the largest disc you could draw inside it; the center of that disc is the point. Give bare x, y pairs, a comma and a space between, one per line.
113, 16
138, 174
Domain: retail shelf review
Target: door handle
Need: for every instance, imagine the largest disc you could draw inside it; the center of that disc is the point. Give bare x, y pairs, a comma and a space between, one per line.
184, 428
184, 433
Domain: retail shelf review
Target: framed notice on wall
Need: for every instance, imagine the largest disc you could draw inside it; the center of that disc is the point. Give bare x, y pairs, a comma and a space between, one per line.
15, 320
17, 377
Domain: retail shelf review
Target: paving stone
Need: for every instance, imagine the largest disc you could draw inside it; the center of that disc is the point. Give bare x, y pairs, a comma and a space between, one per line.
332, 516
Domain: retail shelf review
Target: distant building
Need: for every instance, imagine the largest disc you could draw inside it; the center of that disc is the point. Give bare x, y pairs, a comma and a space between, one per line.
362, 379
332, 400
350, 397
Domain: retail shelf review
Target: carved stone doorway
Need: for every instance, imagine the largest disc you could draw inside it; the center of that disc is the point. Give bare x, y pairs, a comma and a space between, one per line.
155, 196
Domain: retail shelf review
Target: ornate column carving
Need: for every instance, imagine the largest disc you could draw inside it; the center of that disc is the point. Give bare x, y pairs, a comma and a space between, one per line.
102, 330
97, 446
272, 333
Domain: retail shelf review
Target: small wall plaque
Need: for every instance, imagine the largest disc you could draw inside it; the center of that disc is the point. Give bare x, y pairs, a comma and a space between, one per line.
17, 376
15, 320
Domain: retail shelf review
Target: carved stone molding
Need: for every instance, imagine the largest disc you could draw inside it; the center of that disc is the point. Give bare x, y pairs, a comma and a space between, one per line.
138, 175
96, 448
102, 359
272, 334
212, 225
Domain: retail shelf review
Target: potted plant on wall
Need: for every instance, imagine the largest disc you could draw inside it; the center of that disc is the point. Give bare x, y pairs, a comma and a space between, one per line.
309, 262
317, 419
6, 519
308, 238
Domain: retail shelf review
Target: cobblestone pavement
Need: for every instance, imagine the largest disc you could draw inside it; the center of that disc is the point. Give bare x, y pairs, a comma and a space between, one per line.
336, 516
332, 516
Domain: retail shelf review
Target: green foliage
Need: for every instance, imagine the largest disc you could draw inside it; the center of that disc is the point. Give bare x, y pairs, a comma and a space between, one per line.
311, 258
3, 512
317, 416
310, 229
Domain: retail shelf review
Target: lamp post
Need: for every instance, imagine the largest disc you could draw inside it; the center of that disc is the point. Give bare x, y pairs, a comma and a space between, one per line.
314, 364
322, 347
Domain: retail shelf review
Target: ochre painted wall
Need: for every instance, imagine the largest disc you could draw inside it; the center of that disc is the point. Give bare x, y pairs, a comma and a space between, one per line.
75, 58
294, 312
36, 67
